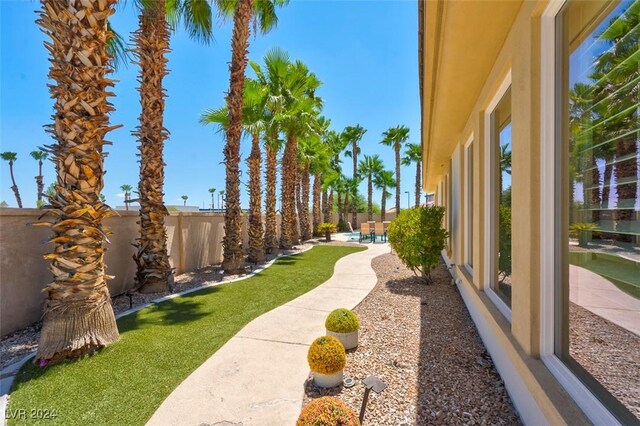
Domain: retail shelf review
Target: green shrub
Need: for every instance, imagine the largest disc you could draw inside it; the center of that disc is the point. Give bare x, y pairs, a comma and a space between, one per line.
577, 228
417, 236
327, 229
504, 244
327, 411
342, 321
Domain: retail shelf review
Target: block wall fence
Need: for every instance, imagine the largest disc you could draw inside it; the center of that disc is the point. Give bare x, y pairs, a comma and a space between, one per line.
194, 241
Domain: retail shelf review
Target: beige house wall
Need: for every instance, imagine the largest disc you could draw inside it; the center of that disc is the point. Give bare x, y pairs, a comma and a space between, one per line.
445, 137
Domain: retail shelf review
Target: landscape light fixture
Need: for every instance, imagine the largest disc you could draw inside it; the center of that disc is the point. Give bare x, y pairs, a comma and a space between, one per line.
370, 383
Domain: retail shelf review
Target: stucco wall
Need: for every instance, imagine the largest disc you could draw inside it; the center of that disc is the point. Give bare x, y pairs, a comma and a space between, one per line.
193, 242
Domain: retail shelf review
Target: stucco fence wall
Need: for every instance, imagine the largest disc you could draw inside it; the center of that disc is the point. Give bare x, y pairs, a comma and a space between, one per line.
194, 241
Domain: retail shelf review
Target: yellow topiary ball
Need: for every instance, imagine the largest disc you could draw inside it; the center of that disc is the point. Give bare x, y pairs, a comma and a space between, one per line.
326, 355
327, 411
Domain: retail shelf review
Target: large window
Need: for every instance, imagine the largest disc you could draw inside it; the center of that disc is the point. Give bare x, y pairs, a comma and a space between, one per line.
598, 302
500, 123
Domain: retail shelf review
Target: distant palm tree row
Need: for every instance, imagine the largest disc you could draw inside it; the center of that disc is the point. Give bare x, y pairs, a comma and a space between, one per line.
281, 112
278, 109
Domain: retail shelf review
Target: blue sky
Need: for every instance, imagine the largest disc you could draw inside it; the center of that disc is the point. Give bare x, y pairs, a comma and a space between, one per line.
365, 52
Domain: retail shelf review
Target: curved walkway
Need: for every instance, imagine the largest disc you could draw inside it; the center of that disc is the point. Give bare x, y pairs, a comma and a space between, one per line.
258, 376
598, 295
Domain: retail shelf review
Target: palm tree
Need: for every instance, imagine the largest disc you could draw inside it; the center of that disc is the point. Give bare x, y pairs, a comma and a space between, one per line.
154, 273
39, 156
413, 154
370, 167
255, 118
395, 137
272, 80
221, 200
212, 191
78, 317
127, 194
353, 135
12, 157
184, 199
310, 160
336, 143
298, 119
505, 165
383, 180
243, 11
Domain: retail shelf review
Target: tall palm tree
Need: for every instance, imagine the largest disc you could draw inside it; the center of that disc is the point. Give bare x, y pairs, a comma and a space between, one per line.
298, 120
413, 154
272, 79
263, 11
310, 158
370, 167
39, 156
184, 199
12, 157
221, 199
212, 191
353, 135
151, 39
254, 117
383, 180
395, 137
127, 195
336, 144
78, 317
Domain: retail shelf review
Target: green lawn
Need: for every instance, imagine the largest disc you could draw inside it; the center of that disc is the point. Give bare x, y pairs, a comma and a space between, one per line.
161, 345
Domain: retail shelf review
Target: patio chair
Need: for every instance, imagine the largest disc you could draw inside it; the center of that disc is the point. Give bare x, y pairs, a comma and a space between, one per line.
365, 231
381, 231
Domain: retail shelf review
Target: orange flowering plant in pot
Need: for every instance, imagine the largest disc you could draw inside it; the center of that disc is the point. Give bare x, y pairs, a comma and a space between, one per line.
327, 359
327, 410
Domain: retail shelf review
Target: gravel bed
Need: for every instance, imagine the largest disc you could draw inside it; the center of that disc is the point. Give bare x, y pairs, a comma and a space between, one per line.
18, 344
420, 340
609, 352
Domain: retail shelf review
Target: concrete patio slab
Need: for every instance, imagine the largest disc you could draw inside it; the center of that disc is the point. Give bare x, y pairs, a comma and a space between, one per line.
258, 376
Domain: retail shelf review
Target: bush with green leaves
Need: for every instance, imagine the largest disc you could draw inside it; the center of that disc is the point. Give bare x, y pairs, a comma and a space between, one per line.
418, 238
327, 229
342, 321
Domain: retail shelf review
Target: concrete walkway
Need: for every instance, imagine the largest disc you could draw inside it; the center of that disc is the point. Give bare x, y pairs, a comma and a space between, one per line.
257, 377
603, 298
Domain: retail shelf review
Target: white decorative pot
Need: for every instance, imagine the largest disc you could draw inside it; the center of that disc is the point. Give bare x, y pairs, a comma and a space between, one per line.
327, 380
348, 340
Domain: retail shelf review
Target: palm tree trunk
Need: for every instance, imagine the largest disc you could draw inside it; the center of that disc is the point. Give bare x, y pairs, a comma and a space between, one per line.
340, 210
305, 182
345, 206
370, 199
626, 187
298, 206
40, 182
78, 318
256, 230
329, 208
14, 187
606, 184
418, 179
397, 149
154, 273
596, 199
354, 212
271, 228
233, 257
383, 204
317, 195
288, 231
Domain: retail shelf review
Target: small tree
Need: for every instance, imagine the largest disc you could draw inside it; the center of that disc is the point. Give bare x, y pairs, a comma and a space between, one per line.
418, 238
327, 229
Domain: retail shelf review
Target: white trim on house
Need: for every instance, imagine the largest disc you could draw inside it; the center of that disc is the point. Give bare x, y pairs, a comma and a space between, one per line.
489, 196
468, 206
586, 400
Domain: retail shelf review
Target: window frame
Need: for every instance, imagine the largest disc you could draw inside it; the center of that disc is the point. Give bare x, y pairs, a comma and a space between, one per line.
468, 204
490, 198
552, 314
